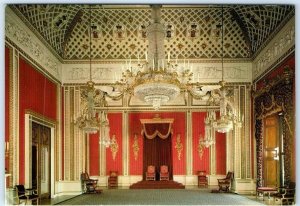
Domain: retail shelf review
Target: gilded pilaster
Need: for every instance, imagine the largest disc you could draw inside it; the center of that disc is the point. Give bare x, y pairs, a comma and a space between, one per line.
242, 132
67, 121
247, 126
212, 151
77, 146
14, 116
229, 151
87, 139
72, 143
102, 156
237, 139
125, 143
189, 144
57, 144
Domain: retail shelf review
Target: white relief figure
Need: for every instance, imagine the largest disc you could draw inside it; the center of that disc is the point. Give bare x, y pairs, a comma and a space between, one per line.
97, 73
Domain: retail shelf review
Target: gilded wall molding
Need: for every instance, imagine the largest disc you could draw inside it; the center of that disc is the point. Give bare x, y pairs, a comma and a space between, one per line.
135, 147
178, 146
200, 149
114, 147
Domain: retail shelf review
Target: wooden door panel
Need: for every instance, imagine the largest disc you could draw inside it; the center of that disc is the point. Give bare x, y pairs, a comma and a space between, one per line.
271, 139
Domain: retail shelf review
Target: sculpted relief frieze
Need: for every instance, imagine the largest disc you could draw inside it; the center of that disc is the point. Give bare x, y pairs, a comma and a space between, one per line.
214, 72
110, 73
21, 36
281, 44
81, 74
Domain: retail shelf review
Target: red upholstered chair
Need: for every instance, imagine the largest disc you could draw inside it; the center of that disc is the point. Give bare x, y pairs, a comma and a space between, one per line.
150, 174
164, 173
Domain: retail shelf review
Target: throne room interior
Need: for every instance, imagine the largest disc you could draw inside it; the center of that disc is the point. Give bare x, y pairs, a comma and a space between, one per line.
211, 63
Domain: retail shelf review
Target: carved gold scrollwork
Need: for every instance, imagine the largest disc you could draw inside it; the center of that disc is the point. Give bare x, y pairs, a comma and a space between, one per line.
135, 147
178, 146
200, 149
114, 148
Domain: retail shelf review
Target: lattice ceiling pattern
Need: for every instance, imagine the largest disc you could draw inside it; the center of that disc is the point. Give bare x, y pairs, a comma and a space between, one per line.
119, 32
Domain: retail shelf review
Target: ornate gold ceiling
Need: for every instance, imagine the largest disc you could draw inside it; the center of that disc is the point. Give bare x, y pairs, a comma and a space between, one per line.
118, 31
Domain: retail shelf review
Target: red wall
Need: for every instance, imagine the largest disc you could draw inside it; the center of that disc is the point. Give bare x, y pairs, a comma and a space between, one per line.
115, 122
220, 153
38, 94
135, 127
198, 127
94, 153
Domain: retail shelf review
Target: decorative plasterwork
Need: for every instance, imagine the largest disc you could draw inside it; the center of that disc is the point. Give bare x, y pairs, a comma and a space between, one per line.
208, 72
114, 147
280, 44
178, 146
135, 147
18, 33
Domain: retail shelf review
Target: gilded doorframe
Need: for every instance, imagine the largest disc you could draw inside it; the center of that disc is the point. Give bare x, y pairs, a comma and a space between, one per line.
276, 97
30, 117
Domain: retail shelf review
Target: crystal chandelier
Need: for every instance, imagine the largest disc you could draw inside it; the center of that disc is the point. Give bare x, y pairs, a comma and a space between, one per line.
225, 123
88, 120
207, 140
157, 81
105, 129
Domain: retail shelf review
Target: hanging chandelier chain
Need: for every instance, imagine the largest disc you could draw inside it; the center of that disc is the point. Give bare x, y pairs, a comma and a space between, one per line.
222, 14
90, 38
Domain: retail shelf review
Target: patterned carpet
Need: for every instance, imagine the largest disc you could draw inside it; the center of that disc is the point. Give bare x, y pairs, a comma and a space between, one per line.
160, 197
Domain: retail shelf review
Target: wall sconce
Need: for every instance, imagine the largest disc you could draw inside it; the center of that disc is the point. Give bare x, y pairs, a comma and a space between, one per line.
6, 149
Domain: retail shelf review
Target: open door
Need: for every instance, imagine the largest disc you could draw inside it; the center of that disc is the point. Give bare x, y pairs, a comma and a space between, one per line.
40, 161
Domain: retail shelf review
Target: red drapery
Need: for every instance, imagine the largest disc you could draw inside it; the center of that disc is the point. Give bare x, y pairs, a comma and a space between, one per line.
157, 146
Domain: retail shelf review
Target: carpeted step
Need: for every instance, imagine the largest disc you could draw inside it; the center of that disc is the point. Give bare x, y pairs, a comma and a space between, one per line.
157, 185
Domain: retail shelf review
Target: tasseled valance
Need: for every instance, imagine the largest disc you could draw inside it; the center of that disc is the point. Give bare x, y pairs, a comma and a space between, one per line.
157, 127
